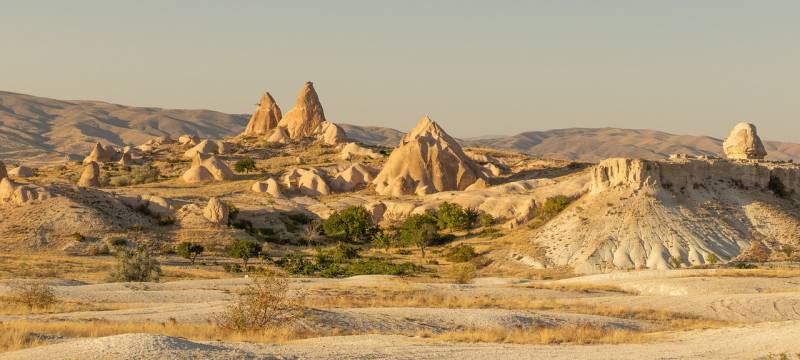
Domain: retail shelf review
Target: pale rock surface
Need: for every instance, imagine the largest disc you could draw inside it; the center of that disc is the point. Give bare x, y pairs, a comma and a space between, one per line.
216, 212
207, 168
90, 176
329, 133
743, 143
156, 206
126, 160
278, 135
16, 194
218, 147
187, 139
352, 178
309, 182
268, 186
428, 160
101, 154
353, 150
265, 118
306, 116
20, 172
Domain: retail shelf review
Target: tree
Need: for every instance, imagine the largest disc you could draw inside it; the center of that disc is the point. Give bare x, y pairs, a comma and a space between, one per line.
136, 266
452, 216
245, 165
353, 224
264, 304
244, 250
486, 221
189, 251
419, 230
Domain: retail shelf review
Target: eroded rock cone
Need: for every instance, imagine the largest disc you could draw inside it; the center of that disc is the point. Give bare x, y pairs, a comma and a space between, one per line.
207, 168
268, 186
306, 116
744, 143
329, 133
90, 176
101, 153
13, 193
352, 178
428, 160
278, 135
216, 212
126, 160
265, 118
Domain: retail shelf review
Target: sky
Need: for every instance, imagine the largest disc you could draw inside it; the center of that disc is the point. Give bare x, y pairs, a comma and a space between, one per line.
476, 67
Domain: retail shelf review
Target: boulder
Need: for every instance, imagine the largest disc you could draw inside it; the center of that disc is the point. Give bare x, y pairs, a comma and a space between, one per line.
353, 150
204, 147
126, 160
268, 186
187, 139
207, 168
306, 116
428, 160
216, 212
101, 154
278, 135
265, 118
20, 172
16, 194
90, 176
306, 181
743, 143
352, 178
329, 133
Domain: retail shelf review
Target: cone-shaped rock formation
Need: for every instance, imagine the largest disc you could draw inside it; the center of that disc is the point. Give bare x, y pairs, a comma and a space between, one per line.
265, 118
307, 114
90, 176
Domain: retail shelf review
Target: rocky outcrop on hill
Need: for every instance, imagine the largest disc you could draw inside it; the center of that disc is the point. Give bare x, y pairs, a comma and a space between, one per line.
218, 147
102, 154
216, 212
309, 182
265, 118
207, 168
672, 213
17, 194
329, 133
90, 177
428, 160
187, 139
306, 115
354, 177
268, 186
743, 143
353, 150
20, 172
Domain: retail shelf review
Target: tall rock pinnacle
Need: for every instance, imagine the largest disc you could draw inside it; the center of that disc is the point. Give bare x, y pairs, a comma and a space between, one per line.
307, 114
265, 118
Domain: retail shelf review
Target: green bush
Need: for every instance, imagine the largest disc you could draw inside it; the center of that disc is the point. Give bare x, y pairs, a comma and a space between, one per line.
452, 216
353, 224
245, 165
420, 230
244, 250
551, 207
341, 261
486, 221
461, 253
189, 251
137, 265
712, 259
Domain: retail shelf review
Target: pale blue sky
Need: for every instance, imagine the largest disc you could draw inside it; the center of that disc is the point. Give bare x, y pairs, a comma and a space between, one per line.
476, 67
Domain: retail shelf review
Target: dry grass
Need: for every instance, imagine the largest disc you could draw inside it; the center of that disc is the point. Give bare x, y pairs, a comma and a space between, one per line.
21, 334
765, 273
10, 308
572, 334
581, 287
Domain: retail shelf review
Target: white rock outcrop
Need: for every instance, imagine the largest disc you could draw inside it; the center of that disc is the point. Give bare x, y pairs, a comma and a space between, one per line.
329, 133
353, 150
265, 117
207, 168
187, 139
16, 194
743, 143
216, 212
354, 177
309, 182
428, 160
269, 186
102, 154
306, 115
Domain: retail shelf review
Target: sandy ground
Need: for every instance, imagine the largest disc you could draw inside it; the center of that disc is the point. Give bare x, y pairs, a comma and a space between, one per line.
766, 311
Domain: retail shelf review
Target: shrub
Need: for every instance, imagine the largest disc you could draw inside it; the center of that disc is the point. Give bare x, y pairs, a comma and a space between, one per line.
419, 230
374, 266
232, 268
776, 185
144, 174
136, 266
551, 207
463, 273
461, 253
244, 250
267, 303
452, 216
712, 259
78, 237
245, 165
311, 232
486, 221
118, 242
33, 294
121, 180
353, 224
190, 251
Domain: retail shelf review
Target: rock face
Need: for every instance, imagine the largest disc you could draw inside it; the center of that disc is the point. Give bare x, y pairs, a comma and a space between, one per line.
278, 135
187, 139
126, 159
101, 154
16, 194
743, 143
268, 186
20, 172
428, 160
307, 114
306, 181
207, 168
265, 118
352, 178
353, 150
3, 173
216, 212
218, 147
329, 133
90, 176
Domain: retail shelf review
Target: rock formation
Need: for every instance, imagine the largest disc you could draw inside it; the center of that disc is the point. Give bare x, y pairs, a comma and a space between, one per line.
329, 133
20, 172
102, 154
743, 143
90, 176
307, 114
216, 212
278, 135
306, 181
155, 206
187, 139
3, 173
265, 118
208, 147
353, 177
16, 194
353, 150
428, 160
268, 186
126, 160
207, 168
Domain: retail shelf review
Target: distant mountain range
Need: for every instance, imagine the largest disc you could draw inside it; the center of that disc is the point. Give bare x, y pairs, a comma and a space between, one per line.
36, 129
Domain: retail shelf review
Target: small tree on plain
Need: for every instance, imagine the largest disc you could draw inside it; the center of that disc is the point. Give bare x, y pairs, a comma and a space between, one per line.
244, 250
267, 303
137, 265
419, 230
245, 165
353, 224
189, 251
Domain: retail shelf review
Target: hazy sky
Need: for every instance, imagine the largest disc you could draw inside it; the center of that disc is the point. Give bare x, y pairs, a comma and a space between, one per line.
476, 67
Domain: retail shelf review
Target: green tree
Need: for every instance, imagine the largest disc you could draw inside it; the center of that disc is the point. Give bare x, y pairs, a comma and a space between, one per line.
245, 165
419, 230
244, 250
353, 224
486, 221
190, 251
451, 216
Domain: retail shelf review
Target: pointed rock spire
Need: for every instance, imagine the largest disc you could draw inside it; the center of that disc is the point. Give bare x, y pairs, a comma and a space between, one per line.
265, 118
307, 114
